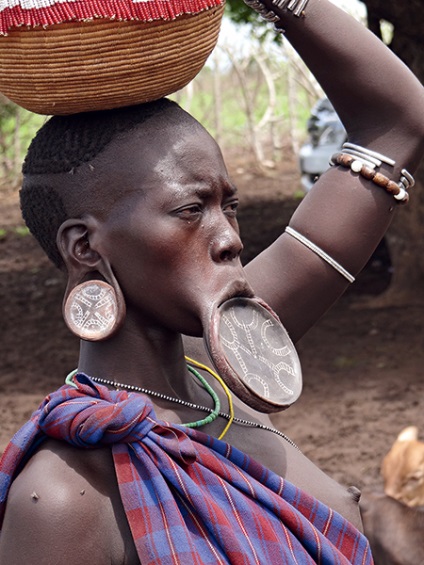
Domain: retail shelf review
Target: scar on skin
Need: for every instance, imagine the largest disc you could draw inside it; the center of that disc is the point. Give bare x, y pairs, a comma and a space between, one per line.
34, 496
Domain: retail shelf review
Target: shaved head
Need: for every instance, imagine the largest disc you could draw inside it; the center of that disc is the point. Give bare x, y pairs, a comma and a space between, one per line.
61, 179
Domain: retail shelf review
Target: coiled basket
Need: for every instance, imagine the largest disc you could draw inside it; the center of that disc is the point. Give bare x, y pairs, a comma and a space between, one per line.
63, 57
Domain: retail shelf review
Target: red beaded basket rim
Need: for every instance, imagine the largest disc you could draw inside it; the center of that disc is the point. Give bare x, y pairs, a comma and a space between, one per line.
14, 15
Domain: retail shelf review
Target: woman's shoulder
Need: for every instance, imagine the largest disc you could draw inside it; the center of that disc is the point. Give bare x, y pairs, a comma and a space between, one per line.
67, 494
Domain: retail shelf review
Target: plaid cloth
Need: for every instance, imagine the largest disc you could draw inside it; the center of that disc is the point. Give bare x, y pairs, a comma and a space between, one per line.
189, 498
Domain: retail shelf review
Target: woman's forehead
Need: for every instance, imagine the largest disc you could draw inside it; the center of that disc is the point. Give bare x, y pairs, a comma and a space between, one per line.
137, 172
169, 153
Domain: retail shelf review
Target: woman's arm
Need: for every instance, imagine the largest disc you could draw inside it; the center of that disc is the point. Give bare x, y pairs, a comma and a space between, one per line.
381, 105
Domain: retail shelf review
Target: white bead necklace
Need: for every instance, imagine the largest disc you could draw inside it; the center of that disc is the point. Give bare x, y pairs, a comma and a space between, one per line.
240, 421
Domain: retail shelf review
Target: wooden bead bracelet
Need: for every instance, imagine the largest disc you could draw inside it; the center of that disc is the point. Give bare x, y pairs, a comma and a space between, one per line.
358, 167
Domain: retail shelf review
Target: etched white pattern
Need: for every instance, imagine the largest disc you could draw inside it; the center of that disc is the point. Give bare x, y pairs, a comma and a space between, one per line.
256, 356
276, 370
281, 351
253, 380
93, 308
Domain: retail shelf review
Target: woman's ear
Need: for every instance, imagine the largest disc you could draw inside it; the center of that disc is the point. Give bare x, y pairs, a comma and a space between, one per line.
94, 306
74, 246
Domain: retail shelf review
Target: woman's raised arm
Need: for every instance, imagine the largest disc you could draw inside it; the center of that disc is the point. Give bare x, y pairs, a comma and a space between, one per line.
345, 215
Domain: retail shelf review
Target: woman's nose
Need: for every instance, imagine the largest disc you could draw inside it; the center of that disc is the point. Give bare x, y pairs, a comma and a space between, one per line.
226, 244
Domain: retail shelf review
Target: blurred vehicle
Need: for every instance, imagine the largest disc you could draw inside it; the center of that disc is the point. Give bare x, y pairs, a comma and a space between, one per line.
326, 136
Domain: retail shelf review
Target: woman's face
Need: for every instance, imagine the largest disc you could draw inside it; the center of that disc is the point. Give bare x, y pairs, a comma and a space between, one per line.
172, 238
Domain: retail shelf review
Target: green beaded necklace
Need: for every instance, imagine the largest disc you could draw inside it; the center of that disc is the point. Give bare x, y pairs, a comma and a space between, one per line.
210, 418
217, 404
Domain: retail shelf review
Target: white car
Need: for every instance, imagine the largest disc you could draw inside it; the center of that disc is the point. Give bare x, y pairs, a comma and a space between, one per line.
326, 136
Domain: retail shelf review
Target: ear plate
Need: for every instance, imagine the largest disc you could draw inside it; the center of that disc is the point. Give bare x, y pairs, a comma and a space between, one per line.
91, 310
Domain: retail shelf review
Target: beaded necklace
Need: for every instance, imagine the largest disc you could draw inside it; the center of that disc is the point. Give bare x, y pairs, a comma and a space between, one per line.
214, 412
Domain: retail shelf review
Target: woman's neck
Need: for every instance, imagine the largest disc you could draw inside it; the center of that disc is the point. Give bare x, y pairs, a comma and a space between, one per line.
152, 359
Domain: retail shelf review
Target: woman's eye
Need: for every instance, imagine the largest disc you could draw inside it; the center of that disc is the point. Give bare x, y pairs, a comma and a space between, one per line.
189, 212
230, 209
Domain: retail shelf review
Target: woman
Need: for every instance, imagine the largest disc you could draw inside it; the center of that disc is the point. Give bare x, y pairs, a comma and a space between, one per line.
140, 199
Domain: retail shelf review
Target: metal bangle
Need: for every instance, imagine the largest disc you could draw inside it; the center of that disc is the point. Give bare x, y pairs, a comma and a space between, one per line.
263, 11
407, 179
366, 159
297, 7
372, 155
318, 251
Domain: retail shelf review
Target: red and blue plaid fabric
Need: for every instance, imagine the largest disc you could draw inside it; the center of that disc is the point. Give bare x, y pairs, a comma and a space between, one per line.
189, 498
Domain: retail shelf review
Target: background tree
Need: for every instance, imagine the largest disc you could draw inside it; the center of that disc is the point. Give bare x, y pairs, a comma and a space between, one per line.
17, 127
10, 141
406, 236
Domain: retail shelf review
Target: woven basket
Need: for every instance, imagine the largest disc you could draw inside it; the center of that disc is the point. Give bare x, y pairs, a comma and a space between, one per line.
103, 64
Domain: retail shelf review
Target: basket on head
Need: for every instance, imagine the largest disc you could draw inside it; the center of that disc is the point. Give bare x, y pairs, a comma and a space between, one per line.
68, 56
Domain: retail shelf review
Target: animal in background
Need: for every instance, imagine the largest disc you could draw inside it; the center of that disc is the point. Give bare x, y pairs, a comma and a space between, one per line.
403, 469
394, 521
395, 531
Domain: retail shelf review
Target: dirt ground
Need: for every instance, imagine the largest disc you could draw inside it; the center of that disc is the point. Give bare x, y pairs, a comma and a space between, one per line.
363, 368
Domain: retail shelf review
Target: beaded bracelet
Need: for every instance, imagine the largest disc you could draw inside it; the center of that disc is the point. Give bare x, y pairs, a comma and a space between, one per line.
374, 159
355, 165
297, 7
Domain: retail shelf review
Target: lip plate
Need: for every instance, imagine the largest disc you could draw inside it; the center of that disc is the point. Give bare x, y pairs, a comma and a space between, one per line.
262, 366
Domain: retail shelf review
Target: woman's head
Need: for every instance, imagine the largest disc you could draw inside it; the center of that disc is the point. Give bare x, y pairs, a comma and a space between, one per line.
141, 198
